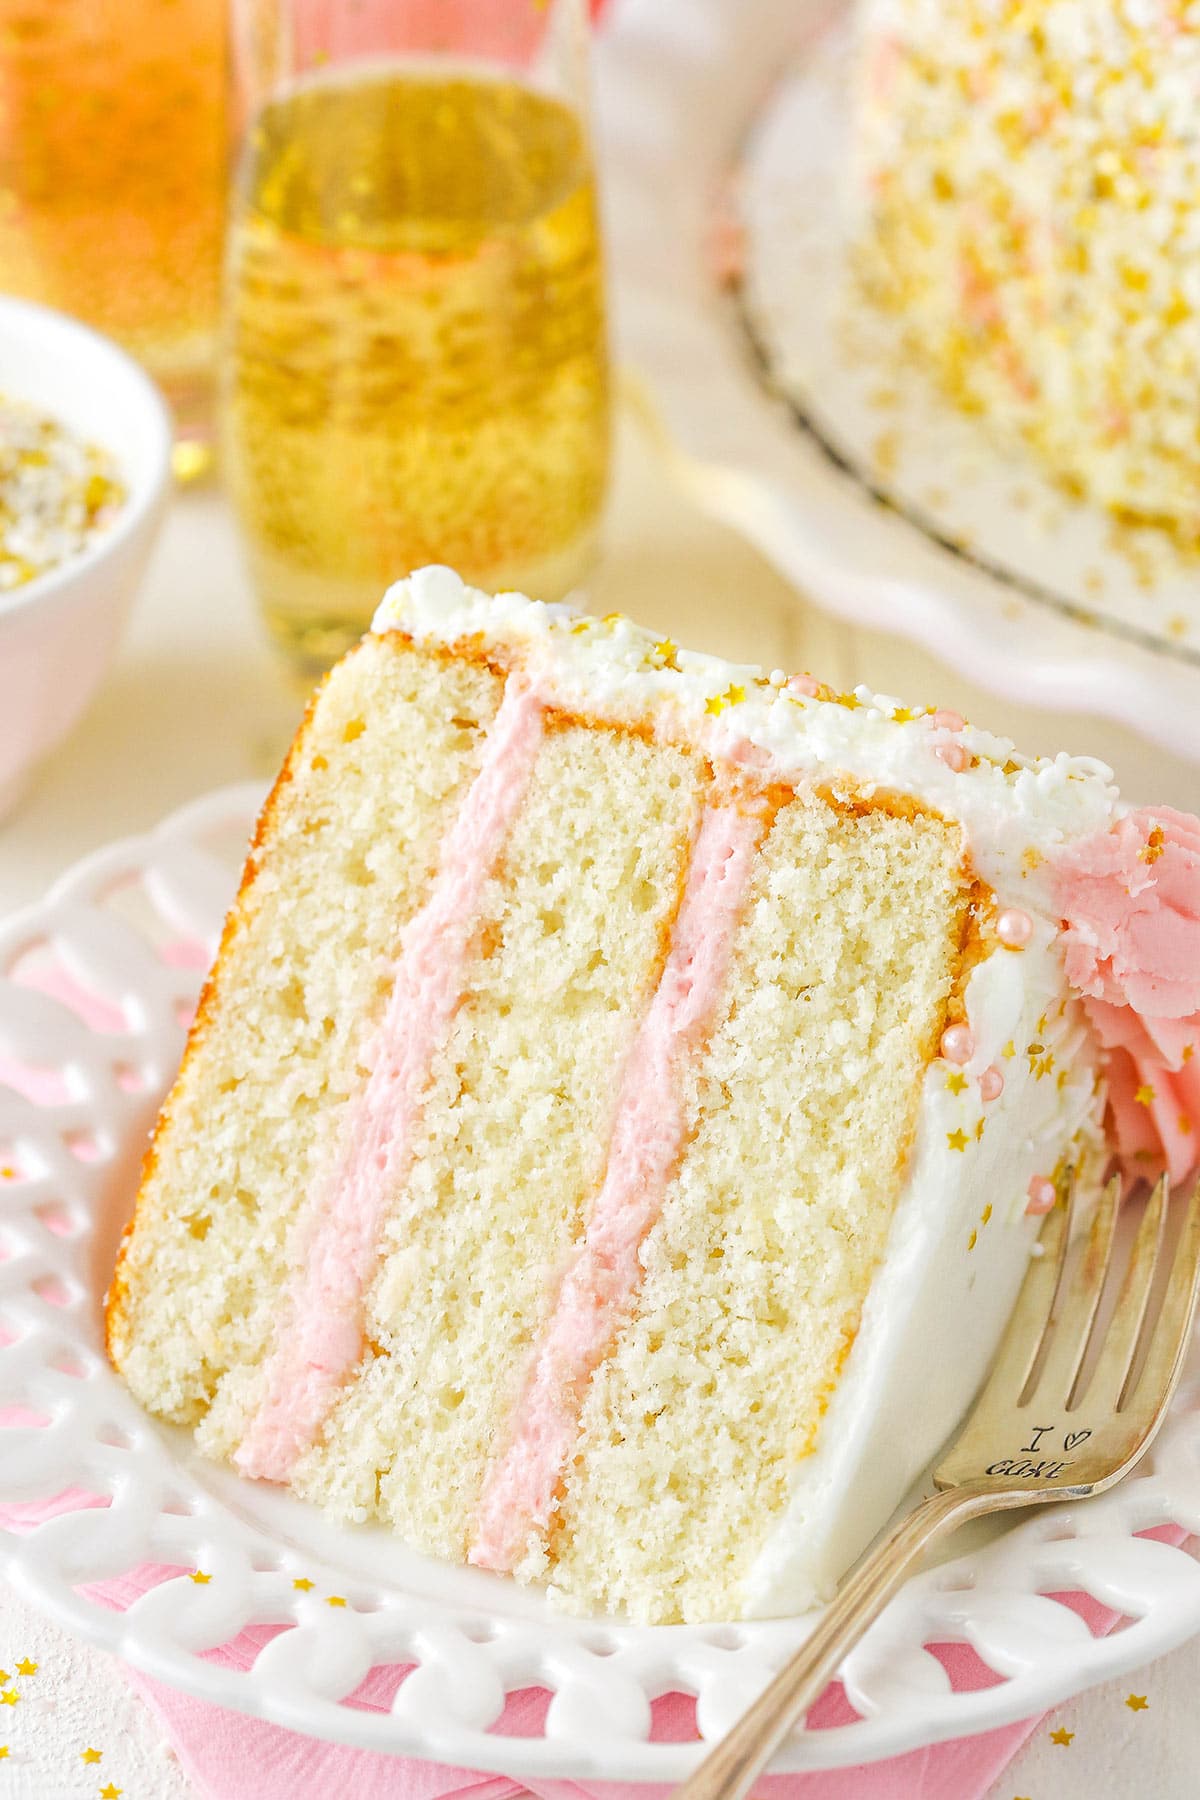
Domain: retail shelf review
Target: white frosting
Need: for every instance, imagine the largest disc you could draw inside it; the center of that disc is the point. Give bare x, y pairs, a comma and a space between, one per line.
939, 1302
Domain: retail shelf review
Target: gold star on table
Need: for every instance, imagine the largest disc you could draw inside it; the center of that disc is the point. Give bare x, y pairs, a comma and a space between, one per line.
957, 1140
1137, 1702
335, 1600
957, 1083
1061, 1736
199, 1577
25, 1667
9, 1697
1145, 1096
303, 1583
111, 1792
90, 1756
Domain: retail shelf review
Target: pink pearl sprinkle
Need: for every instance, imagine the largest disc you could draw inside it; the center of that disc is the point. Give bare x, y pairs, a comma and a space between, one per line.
949, 721
804, 684
958, 1043
991, 1083
1014, 928
953, 755
1042, 1195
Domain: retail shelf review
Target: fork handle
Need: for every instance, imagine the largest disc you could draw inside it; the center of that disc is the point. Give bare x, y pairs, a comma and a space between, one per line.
730, 1768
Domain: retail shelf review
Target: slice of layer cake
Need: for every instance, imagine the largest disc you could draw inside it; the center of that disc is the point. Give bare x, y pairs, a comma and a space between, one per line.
611, 1138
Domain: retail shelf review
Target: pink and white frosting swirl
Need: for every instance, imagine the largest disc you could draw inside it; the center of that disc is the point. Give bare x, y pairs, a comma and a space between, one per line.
1129, 899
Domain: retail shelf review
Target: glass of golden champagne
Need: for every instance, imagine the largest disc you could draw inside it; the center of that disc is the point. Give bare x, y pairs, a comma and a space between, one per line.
113, 177
414, 363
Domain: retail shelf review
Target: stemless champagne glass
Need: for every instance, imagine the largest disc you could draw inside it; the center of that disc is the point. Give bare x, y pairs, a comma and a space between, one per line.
414, 364
113, 176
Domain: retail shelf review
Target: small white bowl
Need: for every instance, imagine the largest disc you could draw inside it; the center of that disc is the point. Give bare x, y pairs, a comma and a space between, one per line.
59, 631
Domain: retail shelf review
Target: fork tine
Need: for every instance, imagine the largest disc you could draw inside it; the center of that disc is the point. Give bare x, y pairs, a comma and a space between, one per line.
1075, 1308
1172, 1331
1121, 1341
1027, 1326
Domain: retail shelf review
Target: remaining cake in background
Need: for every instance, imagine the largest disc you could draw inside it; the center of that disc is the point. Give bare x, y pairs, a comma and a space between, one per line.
1029, 172
614, 1130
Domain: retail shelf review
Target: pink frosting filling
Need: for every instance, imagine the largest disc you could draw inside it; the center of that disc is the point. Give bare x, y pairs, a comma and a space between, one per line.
648, 1134
1130, 900
321, 1337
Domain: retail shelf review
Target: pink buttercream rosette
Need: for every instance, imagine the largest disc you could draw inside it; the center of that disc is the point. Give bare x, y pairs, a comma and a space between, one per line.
1130, 902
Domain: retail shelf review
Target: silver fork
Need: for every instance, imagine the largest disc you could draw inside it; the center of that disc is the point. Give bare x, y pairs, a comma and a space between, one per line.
1038, 1432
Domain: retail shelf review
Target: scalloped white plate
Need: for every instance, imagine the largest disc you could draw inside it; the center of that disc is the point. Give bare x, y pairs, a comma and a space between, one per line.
769, 396
110, 939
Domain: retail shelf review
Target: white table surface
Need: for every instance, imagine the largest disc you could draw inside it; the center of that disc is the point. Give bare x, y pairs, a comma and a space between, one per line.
193, 702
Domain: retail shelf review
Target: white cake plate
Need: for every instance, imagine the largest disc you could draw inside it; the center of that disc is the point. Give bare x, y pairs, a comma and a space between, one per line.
785, 408
101, 1056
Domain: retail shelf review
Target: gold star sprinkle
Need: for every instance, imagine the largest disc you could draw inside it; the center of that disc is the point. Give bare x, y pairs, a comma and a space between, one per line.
666, 654
1137, 1702
986, 1214
957, 1082
851, 702
303, 1583
1061, 1736
716, 705
335, 1600
5, 1677
111, 1792
25, 1667
903, 715
3, 1752
90, 1756
9, 1697
199, 1577
978, 1130
1145, 1096
972, 1240
957, 1140
735, 694
580, 625
1010, 1049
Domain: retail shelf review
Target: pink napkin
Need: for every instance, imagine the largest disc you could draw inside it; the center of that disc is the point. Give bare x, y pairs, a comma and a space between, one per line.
230, 1757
